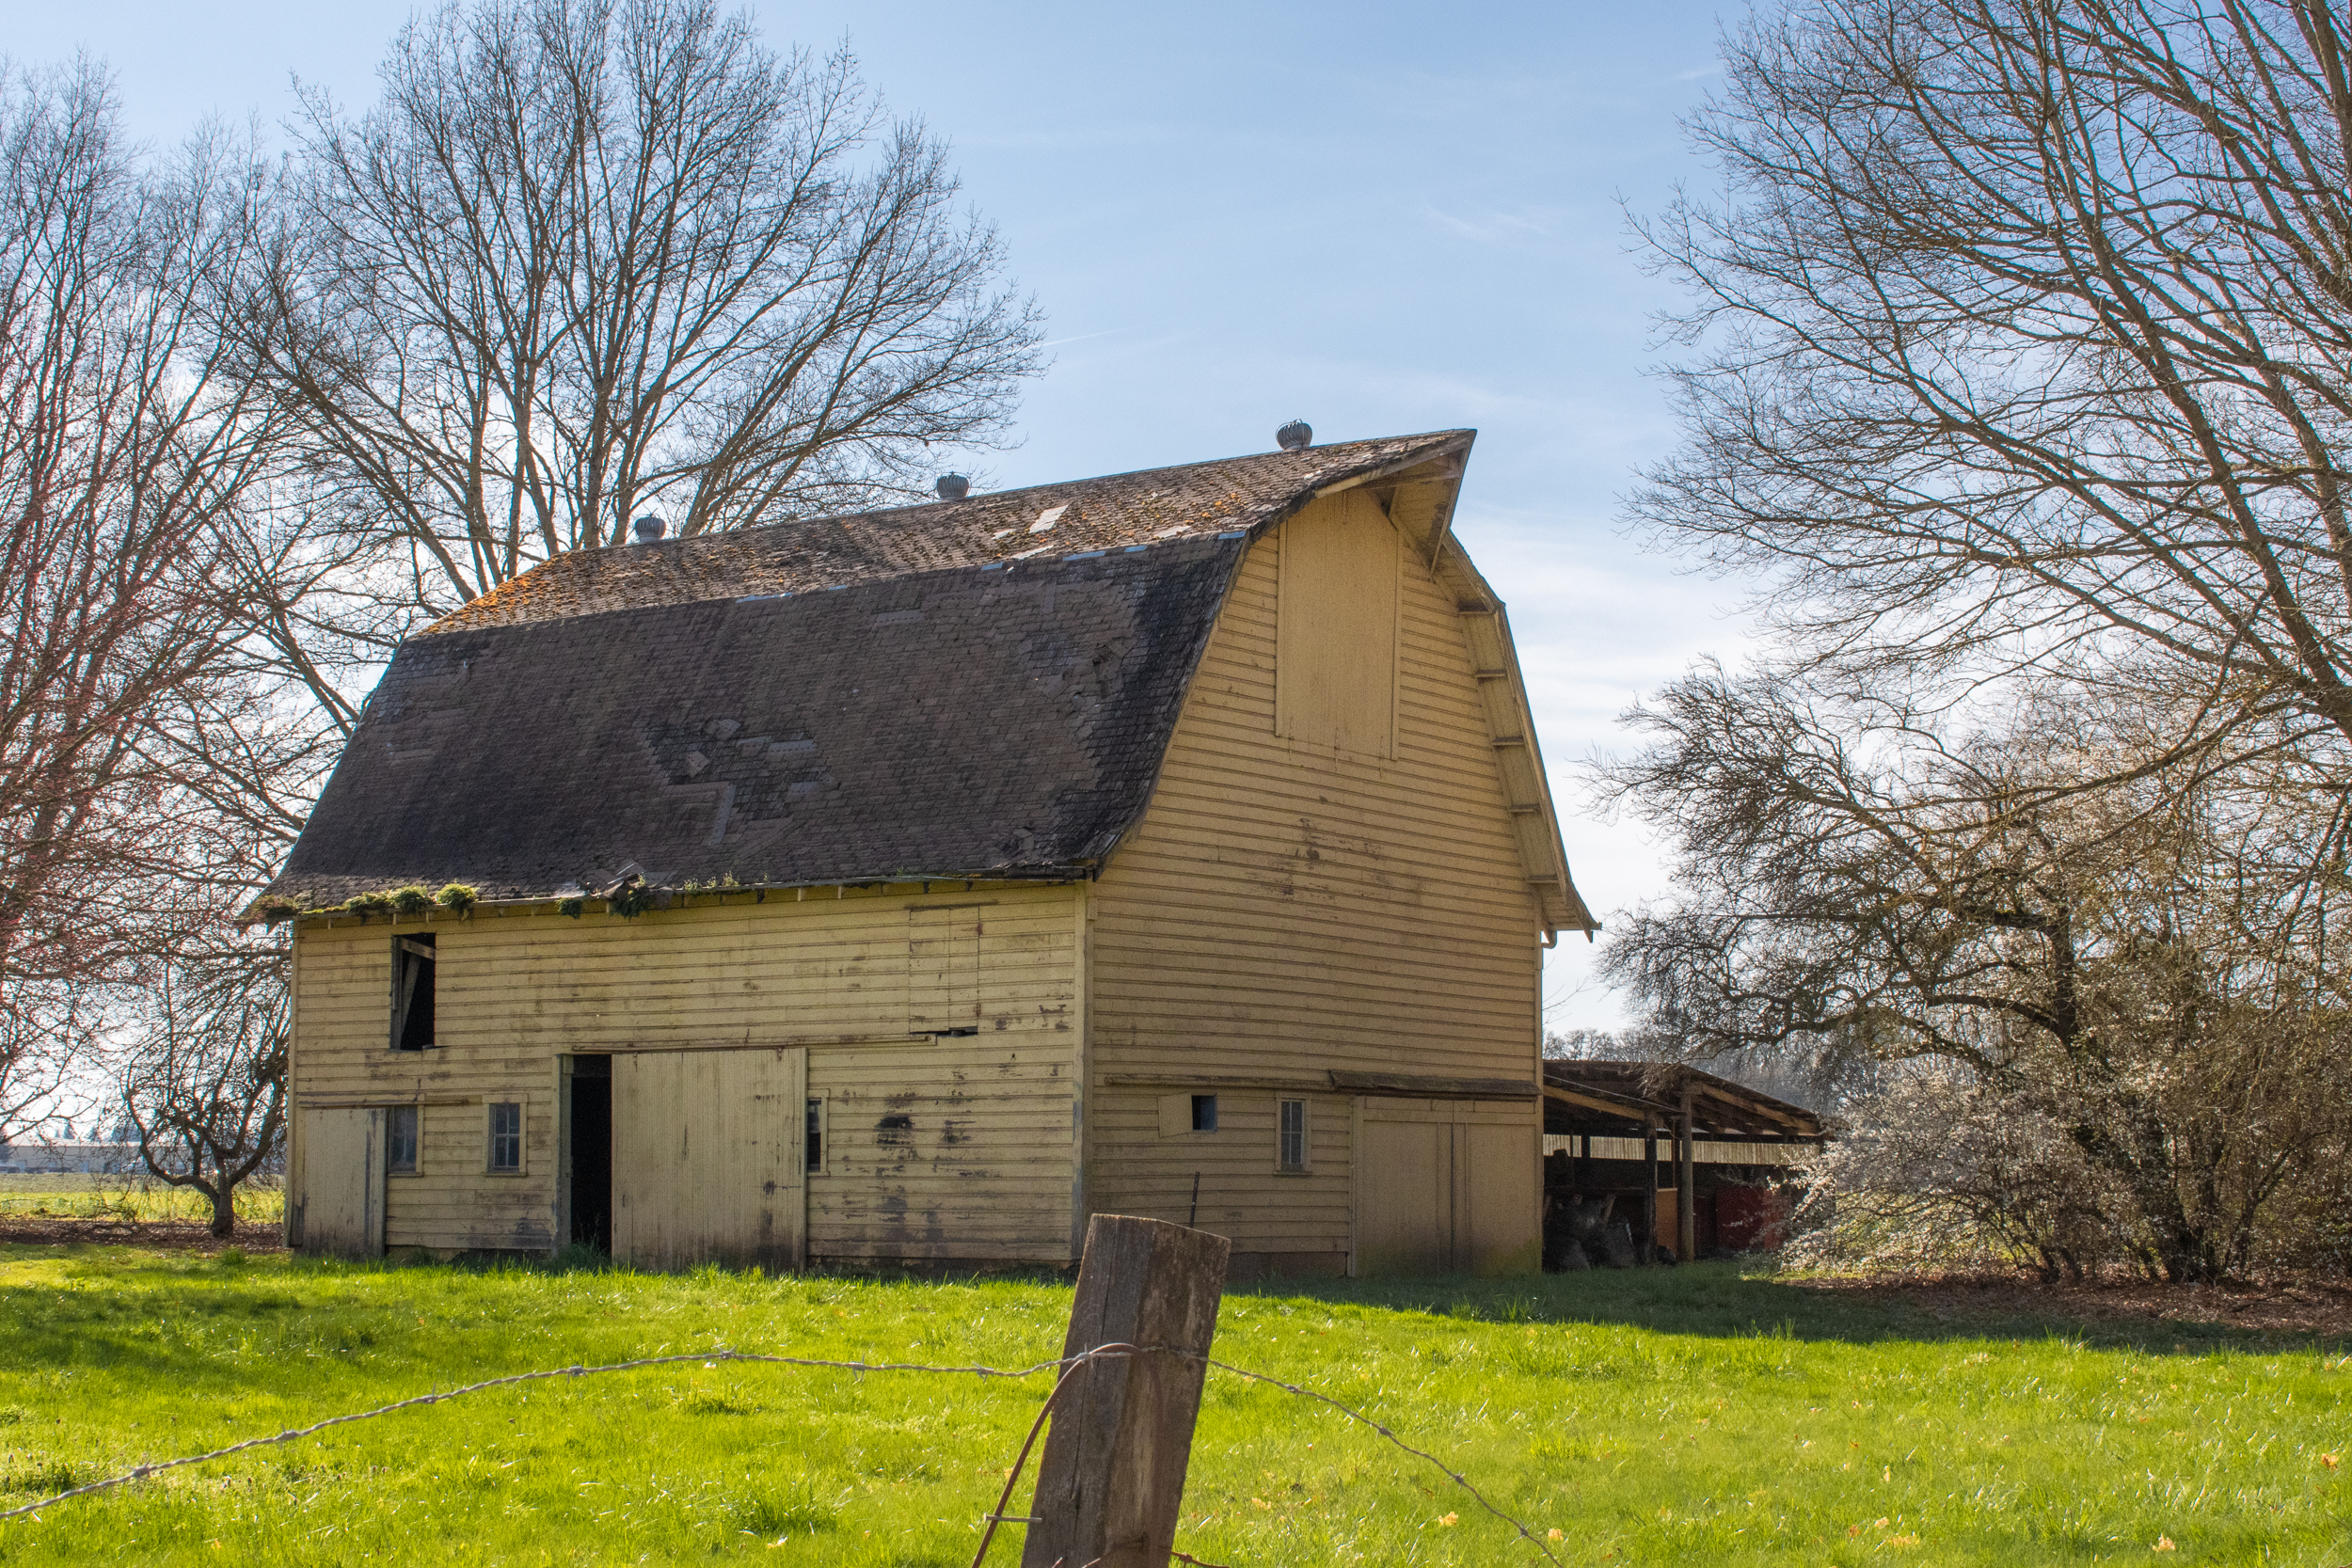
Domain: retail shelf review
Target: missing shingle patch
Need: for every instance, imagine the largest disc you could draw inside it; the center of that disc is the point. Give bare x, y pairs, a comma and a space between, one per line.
1047, 518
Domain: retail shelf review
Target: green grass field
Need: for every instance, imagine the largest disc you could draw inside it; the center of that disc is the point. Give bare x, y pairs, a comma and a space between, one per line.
138, 1200
1701, 1415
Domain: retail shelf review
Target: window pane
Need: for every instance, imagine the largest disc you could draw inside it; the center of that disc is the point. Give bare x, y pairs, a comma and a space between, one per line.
1204, 1113
506, 1136
1294, 1134
816, 1160
400, 1139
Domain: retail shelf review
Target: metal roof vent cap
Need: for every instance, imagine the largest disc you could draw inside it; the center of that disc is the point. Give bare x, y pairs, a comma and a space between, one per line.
1294, 437
953, 488
648, 529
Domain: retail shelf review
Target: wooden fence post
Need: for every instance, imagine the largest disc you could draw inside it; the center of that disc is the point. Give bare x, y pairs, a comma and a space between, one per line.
1112, 1479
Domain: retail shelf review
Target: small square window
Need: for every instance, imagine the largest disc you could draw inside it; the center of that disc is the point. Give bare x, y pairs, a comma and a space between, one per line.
1293, 1142
399, 1140
506, 1137
1204, 1113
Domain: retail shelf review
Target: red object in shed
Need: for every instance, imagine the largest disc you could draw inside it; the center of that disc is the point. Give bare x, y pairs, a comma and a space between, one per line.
1751, 1219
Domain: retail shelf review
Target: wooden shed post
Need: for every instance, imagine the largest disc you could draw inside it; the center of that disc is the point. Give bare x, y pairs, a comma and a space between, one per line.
1113, 1477
1686, 1184
1649, 1188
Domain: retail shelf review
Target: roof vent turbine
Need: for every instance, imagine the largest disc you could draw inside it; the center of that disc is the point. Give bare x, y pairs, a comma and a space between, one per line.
648, 529
1294, 437
953, 488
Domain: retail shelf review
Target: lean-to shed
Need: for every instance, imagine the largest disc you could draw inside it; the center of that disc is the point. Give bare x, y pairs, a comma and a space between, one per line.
906, 887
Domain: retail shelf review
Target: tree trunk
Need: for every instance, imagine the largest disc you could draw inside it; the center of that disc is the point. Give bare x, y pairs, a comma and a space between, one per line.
224, 1195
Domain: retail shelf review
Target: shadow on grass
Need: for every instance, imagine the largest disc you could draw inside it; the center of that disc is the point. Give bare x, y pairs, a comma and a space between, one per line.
1753, 1300
1712, 1300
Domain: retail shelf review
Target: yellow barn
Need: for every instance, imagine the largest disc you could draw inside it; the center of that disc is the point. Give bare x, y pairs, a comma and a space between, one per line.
904, 888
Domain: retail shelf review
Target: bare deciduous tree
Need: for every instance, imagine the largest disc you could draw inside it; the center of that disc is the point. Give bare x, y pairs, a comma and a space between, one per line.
125, 439
584, 260
2029, 336
2153, 969
203, 1085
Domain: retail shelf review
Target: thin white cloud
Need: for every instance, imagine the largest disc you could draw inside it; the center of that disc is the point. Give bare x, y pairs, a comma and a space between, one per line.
1492, 228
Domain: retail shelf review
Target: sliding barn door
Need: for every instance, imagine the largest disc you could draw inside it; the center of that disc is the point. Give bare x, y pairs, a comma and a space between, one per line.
707, 1163
338, 1188
1447, 1187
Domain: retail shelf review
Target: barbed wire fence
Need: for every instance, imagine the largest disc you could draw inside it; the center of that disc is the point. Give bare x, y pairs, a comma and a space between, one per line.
1063, 1367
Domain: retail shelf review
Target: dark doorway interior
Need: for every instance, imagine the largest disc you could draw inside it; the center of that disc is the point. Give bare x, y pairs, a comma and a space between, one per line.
591, 1152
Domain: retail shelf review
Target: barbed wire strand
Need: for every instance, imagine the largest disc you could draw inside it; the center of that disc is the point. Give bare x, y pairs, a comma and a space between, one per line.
142, 1472
1066, 1365
1354, 1415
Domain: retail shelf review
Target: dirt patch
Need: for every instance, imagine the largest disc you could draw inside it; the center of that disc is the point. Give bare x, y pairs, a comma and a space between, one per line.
2322, 1308
161, 1235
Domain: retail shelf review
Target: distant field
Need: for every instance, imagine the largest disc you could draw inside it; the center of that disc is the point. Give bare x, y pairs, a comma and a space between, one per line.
128, 1199
1701, 1415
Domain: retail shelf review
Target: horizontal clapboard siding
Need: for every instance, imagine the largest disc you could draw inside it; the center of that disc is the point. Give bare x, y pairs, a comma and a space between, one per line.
1286, 909
987, 1172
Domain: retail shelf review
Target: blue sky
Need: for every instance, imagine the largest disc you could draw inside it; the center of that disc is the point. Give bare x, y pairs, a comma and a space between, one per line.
1380, 217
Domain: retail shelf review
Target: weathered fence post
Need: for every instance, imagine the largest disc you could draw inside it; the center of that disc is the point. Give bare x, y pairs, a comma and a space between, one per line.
1113, 1477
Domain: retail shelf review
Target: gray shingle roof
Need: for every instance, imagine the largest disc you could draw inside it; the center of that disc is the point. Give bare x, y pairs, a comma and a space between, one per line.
975, 688
1004, 722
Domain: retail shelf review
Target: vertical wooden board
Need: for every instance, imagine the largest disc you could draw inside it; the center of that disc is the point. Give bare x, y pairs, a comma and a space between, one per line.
338, 1202
1336, 632
706, 1157
1404, 1198
1499, 1199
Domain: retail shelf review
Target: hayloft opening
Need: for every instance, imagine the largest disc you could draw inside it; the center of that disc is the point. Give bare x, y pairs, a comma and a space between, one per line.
412, 993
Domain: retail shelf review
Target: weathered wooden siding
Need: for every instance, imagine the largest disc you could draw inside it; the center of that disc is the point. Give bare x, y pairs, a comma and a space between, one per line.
1287, 907
844, 974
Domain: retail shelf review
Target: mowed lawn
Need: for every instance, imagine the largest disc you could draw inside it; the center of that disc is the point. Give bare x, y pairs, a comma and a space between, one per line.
1701, 1415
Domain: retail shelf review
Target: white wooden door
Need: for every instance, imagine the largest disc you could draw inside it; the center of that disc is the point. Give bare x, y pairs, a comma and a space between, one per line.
707, 1158
339, 1189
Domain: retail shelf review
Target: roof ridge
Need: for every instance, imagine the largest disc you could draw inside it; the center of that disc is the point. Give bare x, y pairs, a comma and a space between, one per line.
797, 554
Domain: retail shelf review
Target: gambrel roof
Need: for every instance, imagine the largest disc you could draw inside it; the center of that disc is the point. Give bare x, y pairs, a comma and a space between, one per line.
972, 690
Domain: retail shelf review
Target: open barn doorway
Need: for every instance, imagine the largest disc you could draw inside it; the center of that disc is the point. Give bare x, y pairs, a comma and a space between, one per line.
588, 1150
